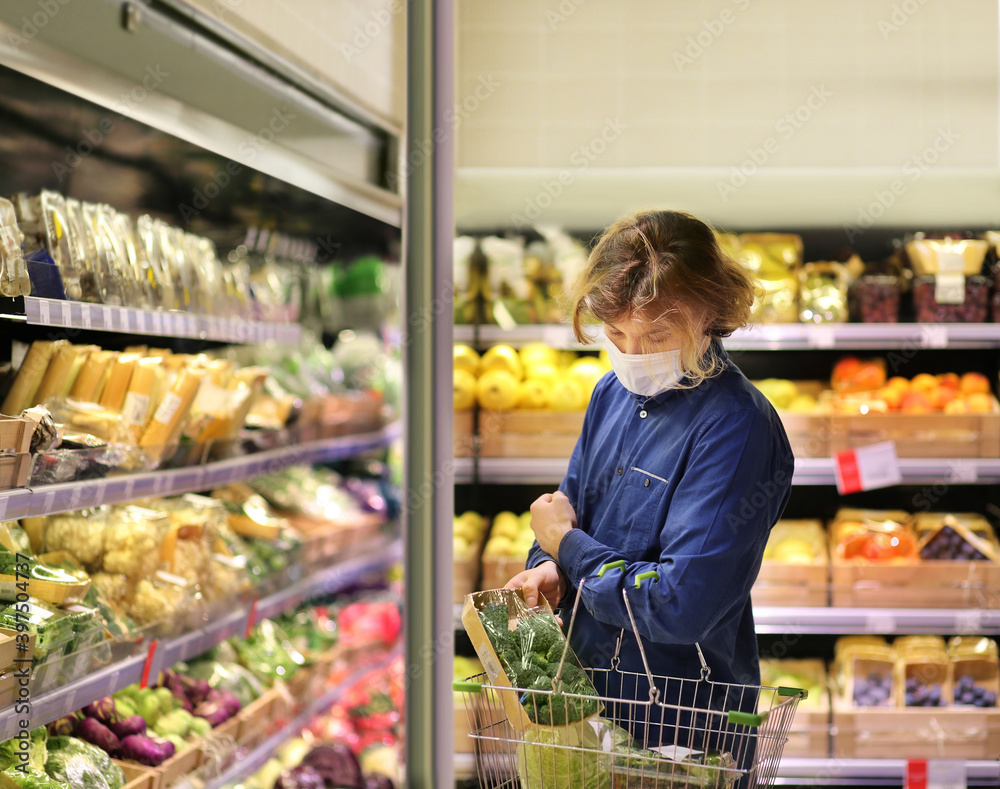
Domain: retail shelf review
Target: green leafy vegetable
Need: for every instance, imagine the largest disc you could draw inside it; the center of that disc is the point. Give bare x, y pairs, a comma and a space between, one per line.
80, 764
554, 758
32, 779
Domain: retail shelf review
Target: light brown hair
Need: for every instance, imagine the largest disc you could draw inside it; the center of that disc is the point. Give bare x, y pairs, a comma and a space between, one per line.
666, 267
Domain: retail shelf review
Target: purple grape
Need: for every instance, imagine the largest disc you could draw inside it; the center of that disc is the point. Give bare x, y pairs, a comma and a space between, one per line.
990, 699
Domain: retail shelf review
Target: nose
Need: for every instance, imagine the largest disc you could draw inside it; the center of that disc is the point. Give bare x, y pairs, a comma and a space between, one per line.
632, 345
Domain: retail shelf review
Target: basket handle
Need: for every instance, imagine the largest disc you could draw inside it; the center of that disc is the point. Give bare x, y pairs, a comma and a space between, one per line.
645, 576
619, 565
466, 687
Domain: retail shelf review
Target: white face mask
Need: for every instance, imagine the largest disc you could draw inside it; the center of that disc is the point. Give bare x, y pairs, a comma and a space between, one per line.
647, 374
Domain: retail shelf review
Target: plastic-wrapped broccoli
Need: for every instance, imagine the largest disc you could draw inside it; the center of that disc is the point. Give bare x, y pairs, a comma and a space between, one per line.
80, 764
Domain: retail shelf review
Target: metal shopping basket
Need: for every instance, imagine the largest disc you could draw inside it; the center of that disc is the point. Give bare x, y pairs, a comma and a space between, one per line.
651, 732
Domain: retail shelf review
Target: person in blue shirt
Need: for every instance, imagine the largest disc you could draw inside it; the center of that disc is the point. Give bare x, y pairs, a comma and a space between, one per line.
682, 468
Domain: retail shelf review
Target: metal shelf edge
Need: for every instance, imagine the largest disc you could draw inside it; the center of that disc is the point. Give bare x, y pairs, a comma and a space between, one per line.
65, 497
60, 701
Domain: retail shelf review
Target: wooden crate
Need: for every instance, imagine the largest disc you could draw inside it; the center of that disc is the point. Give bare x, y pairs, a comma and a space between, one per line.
177, 767
922, 435
944, 584
916, 733
16, 433
255, 720
783, 584
497, 570
808, 434
462, 434
529, 433
15, 470
138, 777
9, 654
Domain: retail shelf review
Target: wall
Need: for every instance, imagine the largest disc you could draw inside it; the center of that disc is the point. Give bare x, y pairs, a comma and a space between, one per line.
778, 85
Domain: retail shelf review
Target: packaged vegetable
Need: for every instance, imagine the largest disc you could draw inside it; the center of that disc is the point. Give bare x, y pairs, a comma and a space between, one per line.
269, 654
80, 764
11, 750
29, 376
823, 293
19, 573
14, 279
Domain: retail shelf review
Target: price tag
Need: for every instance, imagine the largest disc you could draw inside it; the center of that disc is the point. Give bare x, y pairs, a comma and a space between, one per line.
142, 321
3, 506
880, 623
43, 311
962, 472
874, 466
74, 498
100, 489
933, 336
946, 774
107, 317
950, 261
555, 336
129, 487
822, 337
157, 322
949, 288
148, 665
61, 314
251, 618
86, 320
969, 622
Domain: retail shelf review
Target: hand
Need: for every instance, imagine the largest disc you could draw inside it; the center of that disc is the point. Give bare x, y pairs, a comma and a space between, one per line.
552, 516
546, 580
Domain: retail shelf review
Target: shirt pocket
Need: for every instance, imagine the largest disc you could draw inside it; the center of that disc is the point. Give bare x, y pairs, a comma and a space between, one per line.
638, 510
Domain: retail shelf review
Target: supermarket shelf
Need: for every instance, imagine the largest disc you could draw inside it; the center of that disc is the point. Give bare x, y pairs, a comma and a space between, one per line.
344, 573
253, 761
84, 316
887, 621
776, 337
821, 772
30, 502
882, 621
808, 471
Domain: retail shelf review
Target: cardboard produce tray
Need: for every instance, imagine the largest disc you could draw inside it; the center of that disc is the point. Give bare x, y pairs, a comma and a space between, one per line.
925, 584
138, 777
922, 435
784, 584
916, 733
497, 570
463, 438
529, 433
808, 433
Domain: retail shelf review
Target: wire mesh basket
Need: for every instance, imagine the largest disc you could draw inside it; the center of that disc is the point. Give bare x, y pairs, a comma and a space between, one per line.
641, 730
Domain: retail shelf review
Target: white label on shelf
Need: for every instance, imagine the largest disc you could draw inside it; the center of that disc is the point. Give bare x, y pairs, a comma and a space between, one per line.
969, 623
107, 317
963, 471
142, 321
865, 468
59, 314
555, 336
3, 506
156, 318
933, 335
100, 489
822, 337
129, 487
86, 319
880, 623
950, 261
949, 288
43, 311
946, 774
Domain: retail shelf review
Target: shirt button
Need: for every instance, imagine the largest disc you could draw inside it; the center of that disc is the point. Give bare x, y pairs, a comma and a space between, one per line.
620, 471
643, 414
646, 482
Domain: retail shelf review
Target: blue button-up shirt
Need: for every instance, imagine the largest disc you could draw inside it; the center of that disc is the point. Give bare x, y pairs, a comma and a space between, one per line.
687, 484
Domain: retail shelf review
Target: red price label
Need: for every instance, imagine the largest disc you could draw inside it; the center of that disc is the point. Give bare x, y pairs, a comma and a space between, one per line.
916, 774
148, 665
865, 468
251, 618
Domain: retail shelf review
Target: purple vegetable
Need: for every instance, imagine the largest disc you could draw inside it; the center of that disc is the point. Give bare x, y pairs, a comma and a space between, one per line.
134, 725
300, 778
64, 726
337, 764
212, 711
96, 733
102, 709
226, 698
379, 782
146, 750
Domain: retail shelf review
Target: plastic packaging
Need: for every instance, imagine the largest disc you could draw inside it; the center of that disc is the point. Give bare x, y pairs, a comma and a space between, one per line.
877, 297
14, 279
774, 259
823, 293
874, 536
951, 298
930, 256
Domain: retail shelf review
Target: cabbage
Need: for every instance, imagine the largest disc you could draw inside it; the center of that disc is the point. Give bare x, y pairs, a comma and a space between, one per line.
554, 757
